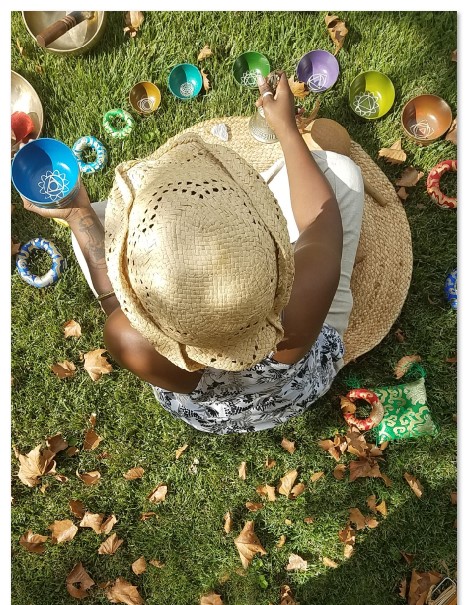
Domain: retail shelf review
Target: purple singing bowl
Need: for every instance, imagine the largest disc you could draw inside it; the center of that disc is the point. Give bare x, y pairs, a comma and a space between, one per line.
318, 69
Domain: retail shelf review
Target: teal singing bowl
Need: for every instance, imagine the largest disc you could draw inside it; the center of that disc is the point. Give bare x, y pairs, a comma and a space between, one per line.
248, 66
185, 81
371, 95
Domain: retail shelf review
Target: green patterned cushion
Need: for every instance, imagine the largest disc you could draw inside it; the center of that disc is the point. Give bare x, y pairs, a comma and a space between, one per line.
406, 412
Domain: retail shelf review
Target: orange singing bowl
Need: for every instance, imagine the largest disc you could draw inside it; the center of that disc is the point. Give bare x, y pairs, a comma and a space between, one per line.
144, 98
426, 118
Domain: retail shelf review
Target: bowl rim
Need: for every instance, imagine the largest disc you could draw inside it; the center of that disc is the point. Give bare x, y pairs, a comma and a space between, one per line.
194, 95
427, 139
69, 50
321, 50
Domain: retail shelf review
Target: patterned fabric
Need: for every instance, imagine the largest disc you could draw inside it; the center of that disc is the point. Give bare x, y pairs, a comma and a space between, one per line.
261, 397
406, 412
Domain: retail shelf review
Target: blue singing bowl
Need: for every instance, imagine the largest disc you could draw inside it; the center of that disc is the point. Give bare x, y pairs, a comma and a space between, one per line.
185, 81
46, 172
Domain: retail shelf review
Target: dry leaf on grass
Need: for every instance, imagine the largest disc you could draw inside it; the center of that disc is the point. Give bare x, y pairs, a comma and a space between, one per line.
254, 506
451, 134
92, 520
386, 479
110, 546
34, 465
33, 542
408, 557
286, 596
357, 518
78, 582
180, 451
296, 491
414, 484
71, 328
62, 531
269, 463
328, 562
286, 483
420, 584
393, 154
400, 336
205, 80
298, 88
133, 21
148, 515
71, 451
296, 562
134, 473
23, 54
316, 476
15, 246
248, 544
402, 588
289, 446
139, 566
56, 443
339, 471
453, 56
281, 541
228, 523
123, 592
365, 467
77, 508
288, 522
268, 491
204, 53
211, 599
348, 537
242, 471
93, 419
381, 508
454, 498
337, 30
404, 364
108, 524
346, 405
96, 365
90, 478
308, 520
64, 369
409, 177
371, 522
158, 494
452, 359
157, 563
91, 440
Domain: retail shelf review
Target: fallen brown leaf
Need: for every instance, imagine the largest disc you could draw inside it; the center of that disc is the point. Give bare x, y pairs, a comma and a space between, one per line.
56, 443
96, 365
248, 544
402, 194
386, 479
420, 584
108, 524
15, 246
289, 446
23, 54
453, 498
64, 369
382, 508
90, 478
414, 484
34, 465
148, 515
409, 177
281, 541
452, 359
92, 520
77, 508
408, 557
71, 451
347, 535
355, 441
205, 80
296, 562
400, 336
268, 491
371, 522
357, 518
328, 562
402, 589
346, 405
296, 491
453, 57
71, 328
286, 596
204, 53
78, 582
211, 599
393, 154
180, 450
452, 134
91, 440
298, 88
133, 21
286, 482
62, 531
228, 522
33, 542
157, 563
364, 468
60, 478
337, 30
93, 419
288, 522
339, 471
110, 546
139, 566
308, 520
134, 473
158, 494
316, 476
123, 592
254, 506
269, 463
404, 364
326, 444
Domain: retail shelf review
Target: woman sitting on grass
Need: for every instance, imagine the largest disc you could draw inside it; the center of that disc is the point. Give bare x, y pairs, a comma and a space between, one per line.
207, 300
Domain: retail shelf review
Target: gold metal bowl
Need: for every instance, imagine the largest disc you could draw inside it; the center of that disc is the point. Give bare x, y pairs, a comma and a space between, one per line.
25, 98
77, 41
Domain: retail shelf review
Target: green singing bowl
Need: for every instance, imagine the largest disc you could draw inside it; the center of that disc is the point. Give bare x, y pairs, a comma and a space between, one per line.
248, 66
76, 41
371, 95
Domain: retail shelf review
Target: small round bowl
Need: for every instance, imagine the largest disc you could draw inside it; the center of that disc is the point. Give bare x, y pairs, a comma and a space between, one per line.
24, 98
371, 95
76, 41
319, 69
185, 81
144, 98
248, 66
426, 118
46, 172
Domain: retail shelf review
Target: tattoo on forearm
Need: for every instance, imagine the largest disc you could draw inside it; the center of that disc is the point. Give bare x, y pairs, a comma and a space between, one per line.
95, 242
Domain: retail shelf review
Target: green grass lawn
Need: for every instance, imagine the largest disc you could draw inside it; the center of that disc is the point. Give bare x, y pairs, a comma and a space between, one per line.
187, 535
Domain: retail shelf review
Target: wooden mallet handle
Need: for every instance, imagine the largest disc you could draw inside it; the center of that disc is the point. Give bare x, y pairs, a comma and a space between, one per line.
60, 27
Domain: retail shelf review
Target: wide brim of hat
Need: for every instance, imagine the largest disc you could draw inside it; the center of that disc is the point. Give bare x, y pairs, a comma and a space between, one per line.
384, 261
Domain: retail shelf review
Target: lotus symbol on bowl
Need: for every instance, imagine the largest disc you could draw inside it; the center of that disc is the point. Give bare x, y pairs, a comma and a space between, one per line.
366, 104
53, 185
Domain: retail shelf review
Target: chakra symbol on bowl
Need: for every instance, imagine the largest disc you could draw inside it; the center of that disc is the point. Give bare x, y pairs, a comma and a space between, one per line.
53, 185
317, 81
249, 78
422, 129
146, 104
366, 104
187, 89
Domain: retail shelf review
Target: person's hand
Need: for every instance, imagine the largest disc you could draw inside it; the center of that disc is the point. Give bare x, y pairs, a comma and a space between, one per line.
279, 109
81, 201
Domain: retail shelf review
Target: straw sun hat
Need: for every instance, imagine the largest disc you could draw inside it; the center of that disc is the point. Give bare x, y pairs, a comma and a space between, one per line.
207, 290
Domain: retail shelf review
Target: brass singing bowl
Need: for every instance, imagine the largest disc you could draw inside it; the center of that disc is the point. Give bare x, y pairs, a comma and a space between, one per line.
25, 98
76, 41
